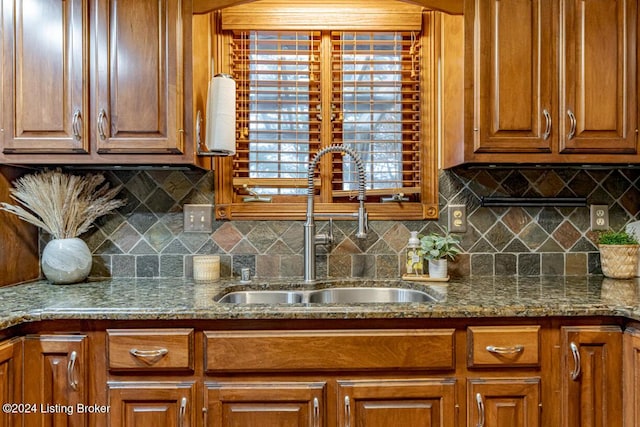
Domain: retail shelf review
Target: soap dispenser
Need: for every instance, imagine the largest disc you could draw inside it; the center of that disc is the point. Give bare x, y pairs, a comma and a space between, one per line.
414, 255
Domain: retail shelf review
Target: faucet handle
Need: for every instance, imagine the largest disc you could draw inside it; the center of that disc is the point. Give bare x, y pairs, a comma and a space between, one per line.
324, 238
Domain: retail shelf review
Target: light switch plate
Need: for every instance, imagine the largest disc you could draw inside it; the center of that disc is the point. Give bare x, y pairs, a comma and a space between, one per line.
198, 218
599, 217
457, 218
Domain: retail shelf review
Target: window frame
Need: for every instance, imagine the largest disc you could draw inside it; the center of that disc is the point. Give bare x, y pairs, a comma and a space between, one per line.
226, 205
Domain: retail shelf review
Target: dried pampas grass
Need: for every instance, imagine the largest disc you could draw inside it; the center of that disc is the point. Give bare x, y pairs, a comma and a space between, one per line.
63, 205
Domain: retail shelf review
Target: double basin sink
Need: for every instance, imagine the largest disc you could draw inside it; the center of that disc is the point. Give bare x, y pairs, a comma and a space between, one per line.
332, 295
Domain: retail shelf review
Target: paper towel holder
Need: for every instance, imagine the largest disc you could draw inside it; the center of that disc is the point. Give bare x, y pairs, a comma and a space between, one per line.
199, 142
202, 149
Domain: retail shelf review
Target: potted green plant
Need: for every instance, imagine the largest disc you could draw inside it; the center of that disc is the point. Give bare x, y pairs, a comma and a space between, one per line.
618, 254
437, 249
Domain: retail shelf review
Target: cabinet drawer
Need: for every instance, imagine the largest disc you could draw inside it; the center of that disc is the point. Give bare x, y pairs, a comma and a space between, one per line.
503, 346
150, 349
329, 350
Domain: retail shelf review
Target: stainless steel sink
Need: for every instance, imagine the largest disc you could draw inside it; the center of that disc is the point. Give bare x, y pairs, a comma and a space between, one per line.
368, 295
262, 297
336, 295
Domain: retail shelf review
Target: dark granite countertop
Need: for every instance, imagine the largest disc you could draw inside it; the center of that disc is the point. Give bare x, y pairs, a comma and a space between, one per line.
142, 299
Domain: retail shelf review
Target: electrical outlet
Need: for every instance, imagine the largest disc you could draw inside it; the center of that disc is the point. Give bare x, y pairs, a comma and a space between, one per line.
457, 218
599, 217
198, 218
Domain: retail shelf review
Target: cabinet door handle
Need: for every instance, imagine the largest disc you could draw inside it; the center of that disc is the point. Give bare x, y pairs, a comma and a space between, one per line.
183, 412
480, 404
573, 124
576, 361
76, 125
347, 411
505, 350
102, 118
72, 378
149, 356
547, 128
316, 412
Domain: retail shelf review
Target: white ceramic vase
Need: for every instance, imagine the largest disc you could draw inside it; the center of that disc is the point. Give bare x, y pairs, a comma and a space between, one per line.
438, 268
66, 261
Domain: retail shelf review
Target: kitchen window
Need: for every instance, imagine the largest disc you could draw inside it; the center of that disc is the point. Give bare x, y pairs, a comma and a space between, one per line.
298, 91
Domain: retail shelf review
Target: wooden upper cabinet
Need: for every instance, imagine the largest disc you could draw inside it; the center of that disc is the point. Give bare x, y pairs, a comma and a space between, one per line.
45, 80
513, 59
598, 95
85, 81
139, 76
546, 81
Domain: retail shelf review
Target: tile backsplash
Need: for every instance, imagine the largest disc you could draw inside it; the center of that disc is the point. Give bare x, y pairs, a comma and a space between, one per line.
145, 238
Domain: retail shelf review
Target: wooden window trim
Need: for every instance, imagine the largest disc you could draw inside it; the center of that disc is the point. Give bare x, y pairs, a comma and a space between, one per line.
427, 208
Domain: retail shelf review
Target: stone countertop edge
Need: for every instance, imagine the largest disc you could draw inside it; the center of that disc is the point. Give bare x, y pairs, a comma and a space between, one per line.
184, 299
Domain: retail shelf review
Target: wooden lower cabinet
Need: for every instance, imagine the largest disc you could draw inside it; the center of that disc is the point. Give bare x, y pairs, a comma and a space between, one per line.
10, 384
258, 404
591, 376
631, 369
507, 374
155, 403
503, 402
55, 368
407, 403
355, 402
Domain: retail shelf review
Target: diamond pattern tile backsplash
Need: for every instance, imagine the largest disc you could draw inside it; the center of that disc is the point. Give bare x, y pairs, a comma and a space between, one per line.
145, 238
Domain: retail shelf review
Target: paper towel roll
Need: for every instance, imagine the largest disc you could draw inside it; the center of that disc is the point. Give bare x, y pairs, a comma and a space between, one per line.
221, 115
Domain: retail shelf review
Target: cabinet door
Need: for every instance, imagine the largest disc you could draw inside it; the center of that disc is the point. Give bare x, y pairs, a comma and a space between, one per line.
504, 402
258, 404
631, 382
139, 76
157, 404
10, 384
592, 376
54, 379
407, 403
513, 60
45, 76
598, 95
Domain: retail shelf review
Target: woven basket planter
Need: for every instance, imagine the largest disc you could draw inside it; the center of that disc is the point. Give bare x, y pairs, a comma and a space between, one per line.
619, 261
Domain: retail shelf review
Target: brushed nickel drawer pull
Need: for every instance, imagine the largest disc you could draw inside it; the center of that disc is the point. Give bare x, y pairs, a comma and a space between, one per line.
149, 356
576, 361
505, 350
71, 371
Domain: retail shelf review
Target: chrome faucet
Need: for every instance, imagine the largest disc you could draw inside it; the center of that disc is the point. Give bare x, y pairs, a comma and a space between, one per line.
311, 239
